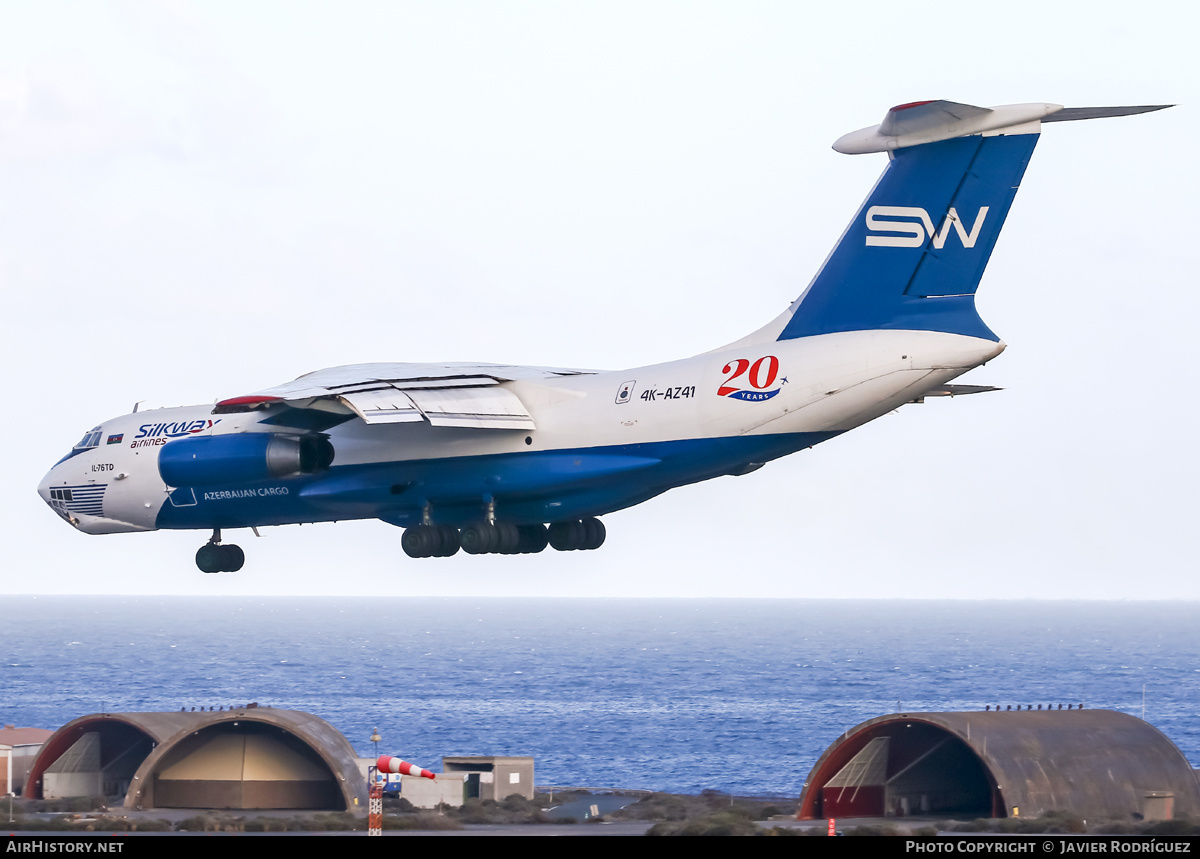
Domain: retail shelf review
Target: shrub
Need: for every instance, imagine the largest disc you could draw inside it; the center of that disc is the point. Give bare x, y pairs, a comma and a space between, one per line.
421, 820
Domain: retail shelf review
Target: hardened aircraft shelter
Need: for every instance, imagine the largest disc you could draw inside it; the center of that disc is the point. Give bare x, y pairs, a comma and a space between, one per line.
1095, 763
239, 758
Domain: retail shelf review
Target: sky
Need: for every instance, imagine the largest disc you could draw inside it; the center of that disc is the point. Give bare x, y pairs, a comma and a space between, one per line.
200, 199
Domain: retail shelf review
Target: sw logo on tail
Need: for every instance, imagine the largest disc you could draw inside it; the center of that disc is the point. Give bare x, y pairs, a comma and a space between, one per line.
918, 232
491, 458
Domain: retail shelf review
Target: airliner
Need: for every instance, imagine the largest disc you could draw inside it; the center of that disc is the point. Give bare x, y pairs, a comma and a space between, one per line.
492, 458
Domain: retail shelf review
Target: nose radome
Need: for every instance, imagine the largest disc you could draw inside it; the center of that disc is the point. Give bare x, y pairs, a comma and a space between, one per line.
45, 489
47, 483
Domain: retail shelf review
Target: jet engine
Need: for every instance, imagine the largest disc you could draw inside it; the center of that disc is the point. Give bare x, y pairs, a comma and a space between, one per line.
242, 458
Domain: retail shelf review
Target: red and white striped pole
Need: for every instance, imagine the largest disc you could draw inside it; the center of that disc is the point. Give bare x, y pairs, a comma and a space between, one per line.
375, 810
389, 764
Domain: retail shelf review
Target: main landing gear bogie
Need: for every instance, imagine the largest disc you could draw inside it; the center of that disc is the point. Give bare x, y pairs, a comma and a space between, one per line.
501, 538
585, 535
430, 541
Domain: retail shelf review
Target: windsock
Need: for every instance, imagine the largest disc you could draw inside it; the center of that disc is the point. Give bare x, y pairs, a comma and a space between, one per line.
389, 764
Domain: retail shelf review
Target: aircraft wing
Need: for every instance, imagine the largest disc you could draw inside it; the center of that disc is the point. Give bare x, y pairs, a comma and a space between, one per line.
454, 395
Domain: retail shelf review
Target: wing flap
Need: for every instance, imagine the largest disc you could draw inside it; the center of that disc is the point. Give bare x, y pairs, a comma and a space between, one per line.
387, 406
483, 408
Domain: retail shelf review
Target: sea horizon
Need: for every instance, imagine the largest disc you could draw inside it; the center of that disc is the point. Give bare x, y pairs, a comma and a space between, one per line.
677, 694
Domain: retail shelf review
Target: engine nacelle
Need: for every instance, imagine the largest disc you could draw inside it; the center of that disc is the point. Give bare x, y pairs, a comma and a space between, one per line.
242, 458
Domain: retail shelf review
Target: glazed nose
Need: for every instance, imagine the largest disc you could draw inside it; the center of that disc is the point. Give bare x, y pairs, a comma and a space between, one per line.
56, 496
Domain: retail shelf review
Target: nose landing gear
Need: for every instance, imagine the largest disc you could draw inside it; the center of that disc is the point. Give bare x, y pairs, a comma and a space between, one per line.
212, 557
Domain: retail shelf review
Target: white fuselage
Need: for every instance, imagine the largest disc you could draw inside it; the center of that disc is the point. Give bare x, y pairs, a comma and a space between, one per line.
815, 385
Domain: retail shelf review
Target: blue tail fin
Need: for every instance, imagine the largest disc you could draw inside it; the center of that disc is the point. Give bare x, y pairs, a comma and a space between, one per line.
913, 256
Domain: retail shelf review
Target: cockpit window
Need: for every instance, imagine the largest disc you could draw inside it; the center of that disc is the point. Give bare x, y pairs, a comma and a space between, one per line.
90, 440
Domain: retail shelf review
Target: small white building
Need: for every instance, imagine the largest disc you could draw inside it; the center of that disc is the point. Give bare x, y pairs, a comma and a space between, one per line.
18, 748
489, 777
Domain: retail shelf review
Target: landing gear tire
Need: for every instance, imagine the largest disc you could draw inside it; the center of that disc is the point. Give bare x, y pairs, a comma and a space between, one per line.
419, 541
508, 539
575, 535
593, 534
208, 558
533, 539
565, 536
478, 539
234, 558
215, 558
449, 541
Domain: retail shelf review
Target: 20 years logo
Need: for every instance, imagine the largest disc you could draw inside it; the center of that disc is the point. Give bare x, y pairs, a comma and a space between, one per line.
759, 376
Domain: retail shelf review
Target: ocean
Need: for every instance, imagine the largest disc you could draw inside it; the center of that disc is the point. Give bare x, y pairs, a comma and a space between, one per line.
678, 695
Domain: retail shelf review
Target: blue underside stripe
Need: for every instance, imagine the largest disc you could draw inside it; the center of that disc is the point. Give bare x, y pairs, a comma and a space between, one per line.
532, 486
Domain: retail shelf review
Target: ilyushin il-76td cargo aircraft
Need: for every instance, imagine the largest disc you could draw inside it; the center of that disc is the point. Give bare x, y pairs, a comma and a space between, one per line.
494, 458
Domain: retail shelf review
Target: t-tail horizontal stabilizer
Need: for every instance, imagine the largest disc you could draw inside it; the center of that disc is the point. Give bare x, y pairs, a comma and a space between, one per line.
957, 391
930, 121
